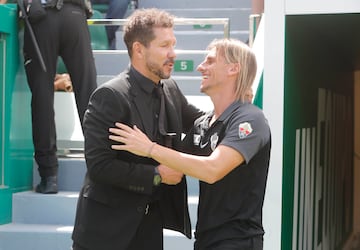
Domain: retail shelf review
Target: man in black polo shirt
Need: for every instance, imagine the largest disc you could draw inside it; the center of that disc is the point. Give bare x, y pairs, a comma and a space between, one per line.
230, 152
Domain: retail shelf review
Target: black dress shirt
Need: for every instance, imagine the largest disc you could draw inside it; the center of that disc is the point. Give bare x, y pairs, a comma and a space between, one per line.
152, 100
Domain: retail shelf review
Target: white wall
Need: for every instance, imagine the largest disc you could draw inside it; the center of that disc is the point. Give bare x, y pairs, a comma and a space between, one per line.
273, 108
321, 6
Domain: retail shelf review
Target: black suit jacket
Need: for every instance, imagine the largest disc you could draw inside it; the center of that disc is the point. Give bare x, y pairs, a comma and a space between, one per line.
118, 185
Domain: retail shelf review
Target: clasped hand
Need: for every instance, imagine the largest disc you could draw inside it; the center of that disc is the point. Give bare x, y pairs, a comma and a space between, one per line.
136, 142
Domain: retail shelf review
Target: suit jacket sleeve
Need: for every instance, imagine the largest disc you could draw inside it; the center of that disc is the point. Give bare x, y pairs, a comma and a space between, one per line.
118, 169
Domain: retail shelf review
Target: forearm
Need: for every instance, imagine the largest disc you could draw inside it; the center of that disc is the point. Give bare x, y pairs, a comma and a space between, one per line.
199, 167
206, 168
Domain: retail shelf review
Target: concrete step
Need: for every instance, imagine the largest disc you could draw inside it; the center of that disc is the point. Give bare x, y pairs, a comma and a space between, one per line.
193, 39
239, 17
191, 4
72, 171
33, 208
44, 222
17, 236
59, 209
200, 39
176, 241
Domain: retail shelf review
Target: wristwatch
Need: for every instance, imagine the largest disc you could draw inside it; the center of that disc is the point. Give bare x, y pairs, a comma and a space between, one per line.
157, 177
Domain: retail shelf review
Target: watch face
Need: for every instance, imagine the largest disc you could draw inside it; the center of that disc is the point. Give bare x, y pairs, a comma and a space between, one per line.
157, 180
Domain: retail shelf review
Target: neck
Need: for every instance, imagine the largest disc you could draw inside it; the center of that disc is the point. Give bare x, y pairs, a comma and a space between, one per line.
221, 103
145, 72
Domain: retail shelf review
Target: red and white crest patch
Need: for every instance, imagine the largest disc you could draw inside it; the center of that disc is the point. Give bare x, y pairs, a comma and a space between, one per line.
245, 129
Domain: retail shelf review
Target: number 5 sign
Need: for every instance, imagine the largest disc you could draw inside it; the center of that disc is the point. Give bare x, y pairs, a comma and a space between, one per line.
184, 65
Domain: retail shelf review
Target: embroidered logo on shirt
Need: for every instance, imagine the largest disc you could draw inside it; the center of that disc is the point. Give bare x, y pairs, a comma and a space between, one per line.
244, 130
214, 140
196, 139
203, 145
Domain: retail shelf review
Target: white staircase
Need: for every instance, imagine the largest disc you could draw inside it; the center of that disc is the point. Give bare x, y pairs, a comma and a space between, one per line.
45, 222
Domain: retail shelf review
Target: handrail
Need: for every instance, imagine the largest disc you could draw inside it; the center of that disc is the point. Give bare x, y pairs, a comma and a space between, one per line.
254, 22
177, 21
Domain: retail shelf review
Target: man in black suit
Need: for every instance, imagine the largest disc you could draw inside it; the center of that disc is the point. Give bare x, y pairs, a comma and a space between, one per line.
127, 200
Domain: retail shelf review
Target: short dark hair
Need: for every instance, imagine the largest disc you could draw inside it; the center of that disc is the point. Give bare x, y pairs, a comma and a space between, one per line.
139, 27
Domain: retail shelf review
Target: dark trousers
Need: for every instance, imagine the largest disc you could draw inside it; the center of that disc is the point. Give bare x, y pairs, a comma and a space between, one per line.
149, 235
61, 33
253, 243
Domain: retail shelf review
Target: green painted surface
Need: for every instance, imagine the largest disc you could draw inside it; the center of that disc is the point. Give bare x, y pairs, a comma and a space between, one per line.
202, 26
258, 98
184, 66
5, 200
16, 144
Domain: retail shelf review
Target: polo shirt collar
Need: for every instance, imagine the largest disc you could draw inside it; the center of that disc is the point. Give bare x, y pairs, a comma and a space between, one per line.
229, 110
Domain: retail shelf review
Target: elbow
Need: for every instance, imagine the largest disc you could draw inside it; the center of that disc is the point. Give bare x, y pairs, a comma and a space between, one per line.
210, 180
213, 177
207, 171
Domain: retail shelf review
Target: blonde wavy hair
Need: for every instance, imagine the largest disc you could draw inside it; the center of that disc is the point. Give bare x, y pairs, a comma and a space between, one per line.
235, 51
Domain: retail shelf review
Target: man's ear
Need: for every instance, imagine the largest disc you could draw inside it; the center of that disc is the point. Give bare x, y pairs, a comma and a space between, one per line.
234, 68
137, 50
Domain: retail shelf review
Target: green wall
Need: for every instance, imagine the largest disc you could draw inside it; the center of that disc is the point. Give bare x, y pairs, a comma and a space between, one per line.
318, 132
15, 130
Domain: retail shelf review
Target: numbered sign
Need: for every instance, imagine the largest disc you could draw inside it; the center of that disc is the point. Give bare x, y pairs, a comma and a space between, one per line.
202, 26
184, 65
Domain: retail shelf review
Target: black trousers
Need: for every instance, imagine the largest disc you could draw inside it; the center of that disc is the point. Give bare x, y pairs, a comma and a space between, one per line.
253, 243
149, 235
62, 33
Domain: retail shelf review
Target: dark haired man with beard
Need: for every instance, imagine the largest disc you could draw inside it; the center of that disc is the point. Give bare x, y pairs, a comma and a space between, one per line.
127, 200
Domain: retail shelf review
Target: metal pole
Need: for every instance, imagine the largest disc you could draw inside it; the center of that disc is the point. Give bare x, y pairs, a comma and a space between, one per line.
31, 32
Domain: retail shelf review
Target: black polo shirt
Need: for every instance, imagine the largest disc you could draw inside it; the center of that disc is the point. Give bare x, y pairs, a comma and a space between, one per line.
232, 207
